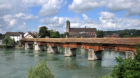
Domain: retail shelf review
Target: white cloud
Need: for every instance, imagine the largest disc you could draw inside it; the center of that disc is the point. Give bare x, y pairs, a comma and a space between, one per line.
107, 21
48, 7
15, 12
25, 16
15, 22
55, 23
59, 23
130, 6
84, 5
51, 7
12, 22
35, 2
111, 22
85, 16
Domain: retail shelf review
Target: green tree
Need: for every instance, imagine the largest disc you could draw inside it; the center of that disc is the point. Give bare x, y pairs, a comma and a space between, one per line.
54, 34
100, 33
8, 41
106, 76
63, 35
43, 32
40, 71
128, 68
19, 44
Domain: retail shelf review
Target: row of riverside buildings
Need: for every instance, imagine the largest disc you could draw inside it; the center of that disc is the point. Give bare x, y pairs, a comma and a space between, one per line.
17, 36
72, 33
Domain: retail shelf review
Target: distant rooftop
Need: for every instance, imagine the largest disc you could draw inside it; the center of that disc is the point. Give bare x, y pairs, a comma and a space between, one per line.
14, 33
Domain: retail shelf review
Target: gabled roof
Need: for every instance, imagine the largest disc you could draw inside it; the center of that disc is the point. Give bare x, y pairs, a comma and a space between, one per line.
14, 33
82, 29
33, 34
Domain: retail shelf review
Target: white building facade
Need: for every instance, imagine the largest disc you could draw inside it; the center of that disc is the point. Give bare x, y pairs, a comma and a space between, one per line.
17, 36
30, 35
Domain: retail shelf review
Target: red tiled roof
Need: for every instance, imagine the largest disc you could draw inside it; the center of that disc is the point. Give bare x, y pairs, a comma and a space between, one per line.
82, 29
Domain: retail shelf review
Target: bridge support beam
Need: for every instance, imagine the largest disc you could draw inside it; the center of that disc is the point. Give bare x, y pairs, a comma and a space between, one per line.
91, 55
129, 54
68, 52
26, 46
50, 49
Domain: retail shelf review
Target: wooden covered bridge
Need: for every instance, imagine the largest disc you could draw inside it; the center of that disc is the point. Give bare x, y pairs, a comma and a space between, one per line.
93, 45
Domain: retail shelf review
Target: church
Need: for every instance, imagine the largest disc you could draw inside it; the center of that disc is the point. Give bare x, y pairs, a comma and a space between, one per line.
80, 32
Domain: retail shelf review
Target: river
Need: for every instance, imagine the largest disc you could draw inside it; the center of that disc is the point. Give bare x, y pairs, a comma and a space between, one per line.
14, 63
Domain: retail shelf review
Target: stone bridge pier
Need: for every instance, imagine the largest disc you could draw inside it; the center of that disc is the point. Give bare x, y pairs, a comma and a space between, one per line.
39, 47
28, 46
69, 52
53, 49
91, 55
50, 49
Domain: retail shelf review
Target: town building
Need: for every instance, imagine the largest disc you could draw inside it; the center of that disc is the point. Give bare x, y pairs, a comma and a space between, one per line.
80, 32
30, 35
17, 36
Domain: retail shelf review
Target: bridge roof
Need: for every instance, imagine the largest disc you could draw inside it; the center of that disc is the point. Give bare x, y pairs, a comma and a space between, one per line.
120, 41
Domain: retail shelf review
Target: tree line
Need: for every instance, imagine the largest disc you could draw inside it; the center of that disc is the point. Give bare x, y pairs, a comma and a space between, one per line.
121, 33
44, 32
124, 33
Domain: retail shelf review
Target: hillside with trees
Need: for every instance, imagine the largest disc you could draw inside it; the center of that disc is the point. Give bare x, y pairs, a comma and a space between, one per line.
124, 33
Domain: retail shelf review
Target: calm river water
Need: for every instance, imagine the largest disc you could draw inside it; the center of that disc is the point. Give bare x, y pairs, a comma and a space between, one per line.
14, 63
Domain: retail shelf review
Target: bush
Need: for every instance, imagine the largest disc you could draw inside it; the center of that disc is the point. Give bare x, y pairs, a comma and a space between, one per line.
8, 41
40, 71
128, 68
107, 76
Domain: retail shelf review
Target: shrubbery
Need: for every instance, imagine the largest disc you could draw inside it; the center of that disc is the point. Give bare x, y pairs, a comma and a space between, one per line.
127, 68
40, 71
8, 41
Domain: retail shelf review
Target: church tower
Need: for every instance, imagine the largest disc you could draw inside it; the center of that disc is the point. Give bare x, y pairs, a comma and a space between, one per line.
67, 26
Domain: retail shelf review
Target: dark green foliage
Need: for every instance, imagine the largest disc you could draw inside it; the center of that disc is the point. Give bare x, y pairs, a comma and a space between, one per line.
54, 34
64, 35
128, 68
8, 41
40, 71
0, 34
43, 32
19, 44
107, 76
100, 33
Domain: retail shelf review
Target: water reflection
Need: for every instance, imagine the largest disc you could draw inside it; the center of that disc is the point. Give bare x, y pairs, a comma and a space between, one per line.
71, 63
14, 63
92, 64
108, 58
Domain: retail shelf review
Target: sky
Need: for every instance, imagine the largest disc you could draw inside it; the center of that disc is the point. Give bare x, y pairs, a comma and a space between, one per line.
29, 15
